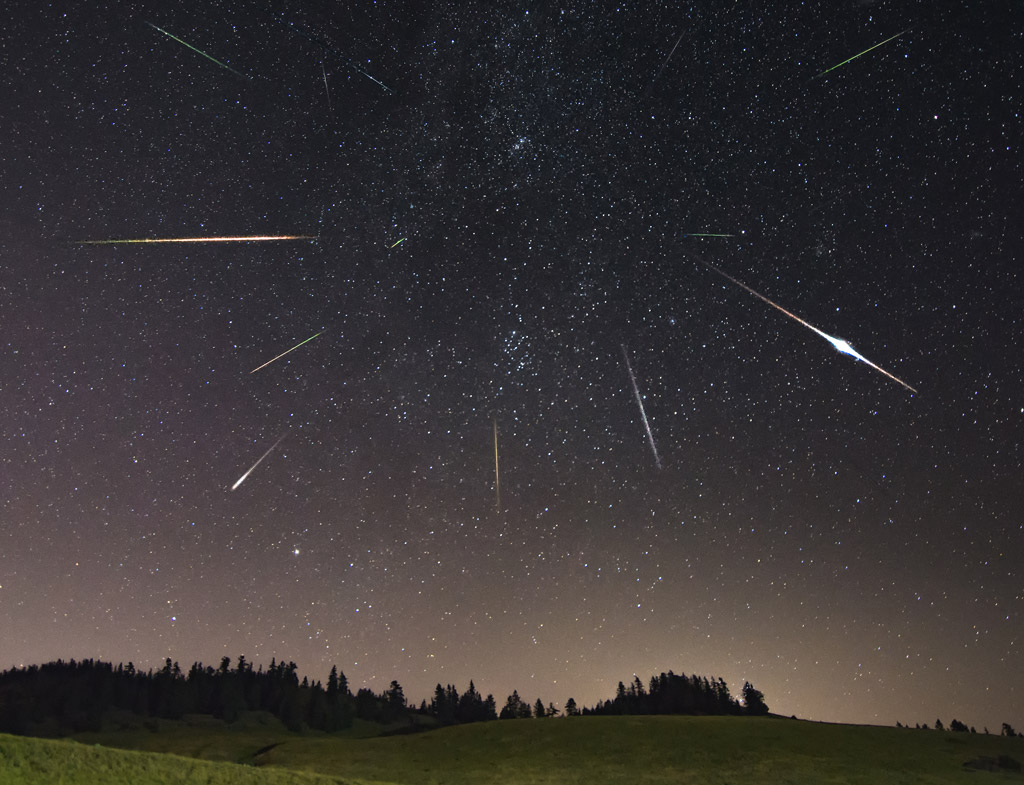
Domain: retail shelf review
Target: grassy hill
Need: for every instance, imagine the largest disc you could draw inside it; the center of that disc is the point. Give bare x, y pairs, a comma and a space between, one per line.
26, 761
627, 750
588, 750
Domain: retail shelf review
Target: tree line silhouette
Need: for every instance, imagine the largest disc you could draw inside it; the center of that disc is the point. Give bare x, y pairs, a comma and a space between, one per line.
61, 697
960, 727
67, 697
670, 693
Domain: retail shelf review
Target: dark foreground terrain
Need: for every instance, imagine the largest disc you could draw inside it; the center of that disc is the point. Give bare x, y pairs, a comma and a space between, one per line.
587, 750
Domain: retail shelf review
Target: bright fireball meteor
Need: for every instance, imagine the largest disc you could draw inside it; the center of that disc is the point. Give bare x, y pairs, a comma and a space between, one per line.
255, 238
838, 343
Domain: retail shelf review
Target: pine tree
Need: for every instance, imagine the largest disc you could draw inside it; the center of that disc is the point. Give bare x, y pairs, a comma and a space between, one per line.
511, 708
570, 708
441, 708
753, 700
394, 699
490, 708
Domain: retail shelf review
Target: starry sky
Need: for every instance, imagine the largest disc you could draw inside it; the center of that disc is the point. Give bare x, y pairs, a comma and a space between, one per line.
852, 548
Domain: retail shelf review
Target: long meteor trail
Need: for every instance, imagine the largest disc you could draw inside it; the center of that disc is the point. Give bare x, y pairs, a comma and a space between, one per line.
640, 403
282, 354
242, 478
199, 51
255, 238
838, 343
837, 65
497, 477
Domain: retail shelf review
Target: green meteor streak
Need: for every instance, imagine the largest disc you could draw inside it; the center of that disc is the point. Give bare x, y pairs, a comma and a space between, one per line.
399, 242
199, 51
887, 40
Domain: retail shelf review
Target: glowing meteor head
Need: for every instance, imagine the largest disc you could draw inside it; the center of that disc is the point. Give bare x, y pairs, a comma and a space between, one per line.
843, 346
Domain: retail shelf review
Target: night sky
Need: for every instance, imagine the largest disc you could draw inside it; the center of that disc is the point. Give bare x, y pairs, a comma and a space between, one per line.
852, 548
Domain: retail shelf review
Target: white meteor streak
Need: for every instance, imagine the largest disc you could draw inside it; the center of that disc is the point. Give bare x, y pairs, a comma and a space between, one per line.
497, 477
326, 87
242, 478
282, 354
678, 41
838, 343
640, 403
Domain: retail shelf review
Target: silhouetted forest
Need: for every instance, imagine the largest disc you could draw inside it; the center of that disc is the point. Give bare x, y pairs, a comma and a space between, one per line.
66, 697
670, 693
69, 697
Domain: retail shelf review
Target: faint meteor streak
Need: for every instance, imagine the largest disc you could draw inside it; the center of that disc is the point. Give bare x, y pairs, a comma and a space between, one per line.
242, 478
838, 343
640, 403
398, 243
497, 477
199, 51
707, 234
328, 89
887, 40
282, 354
256, 238
348, 60
678, 41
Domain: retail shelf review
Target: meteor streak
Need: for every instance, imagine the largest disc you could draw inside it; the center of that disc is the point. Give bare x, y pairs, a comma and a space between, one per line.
887, 40
328, 89
497, 477
678, 41
256, 238
282, 354
838, 343
242, 478
707, 234
640, 403
199, 51
348, 60
399, 242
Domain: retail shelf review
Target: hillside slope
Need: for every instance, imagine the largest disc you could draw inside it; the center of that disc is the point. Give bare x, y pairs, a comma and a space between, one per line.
629, 750
27, 761
585, 750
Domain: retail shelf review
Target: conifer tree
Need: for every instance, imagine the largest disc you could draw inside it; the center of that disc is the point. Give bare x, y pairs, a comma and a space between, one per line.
511, 709
490, 709
753, 700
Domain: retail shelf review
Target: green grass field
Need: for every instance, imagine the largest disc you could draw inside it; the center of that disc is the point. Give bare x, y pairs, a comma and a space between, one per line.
26, 761
587, 750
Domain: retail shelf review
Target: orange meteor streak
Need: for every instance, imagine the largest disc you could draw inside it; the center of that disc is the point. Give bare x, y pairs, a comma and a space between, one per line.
838, 343
246, 239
